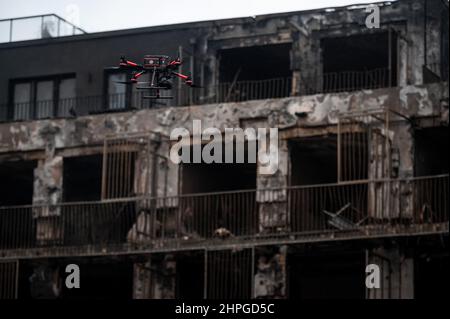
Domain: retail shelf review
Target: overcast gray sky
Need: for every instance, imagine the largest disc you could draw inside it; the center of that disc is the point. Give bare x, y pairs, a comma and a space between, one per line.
103, 15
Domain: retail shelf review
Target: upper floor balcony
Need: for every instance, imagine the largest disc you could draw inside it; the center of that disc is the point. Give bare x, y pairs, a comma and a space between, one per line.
41, 100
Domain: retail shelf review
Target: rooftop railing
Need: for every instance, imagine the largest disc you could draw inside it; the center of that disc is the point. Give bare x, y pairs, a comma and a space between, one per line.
36, 27
359, 209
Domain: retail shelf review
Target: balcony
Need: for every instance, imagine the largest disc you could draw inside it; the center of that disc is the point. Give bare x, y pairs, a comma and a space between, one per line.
358, 210
236, 92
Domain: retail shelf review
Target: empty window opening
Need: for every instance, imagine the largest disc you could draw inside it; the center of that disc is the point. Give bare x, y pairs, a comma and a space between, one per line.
313, 160
359, 62
17, 179
82, 178
256, 72
190, 276
326, 275
431, 151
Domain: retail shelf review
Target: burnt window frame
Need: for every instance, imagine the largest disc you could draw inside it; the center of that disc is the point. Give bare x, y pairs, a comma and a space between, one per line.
56, 79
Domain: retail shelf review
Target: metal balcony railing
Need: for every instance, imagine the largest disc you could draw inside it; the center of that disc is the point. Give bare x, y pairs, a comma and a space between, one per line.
70, 107
239, 91
303, 213
225, 92
347, 81
36, 27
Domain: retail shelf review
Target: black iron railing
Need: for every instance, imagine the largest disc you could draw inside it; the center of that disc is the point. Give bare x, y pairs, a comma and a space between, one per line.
358, 209
222, 93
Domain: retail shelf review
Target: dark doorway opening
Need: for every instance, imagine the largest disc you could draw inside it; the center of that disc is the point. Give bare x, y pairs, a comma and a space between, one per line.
313, 160
356, 62
326, 275
190, 275
431, 151
17, 179
257, 72
82, 178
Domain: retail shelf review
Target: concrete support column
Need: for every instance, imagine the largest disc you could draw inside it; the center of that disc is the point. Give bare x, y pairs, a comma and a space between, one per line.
270, 274
272, 206
155, 278
47, 191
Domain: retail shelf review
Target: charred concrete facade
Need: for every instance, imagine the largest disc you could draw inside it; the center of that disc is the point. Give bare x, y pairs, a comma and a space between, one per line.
362, 175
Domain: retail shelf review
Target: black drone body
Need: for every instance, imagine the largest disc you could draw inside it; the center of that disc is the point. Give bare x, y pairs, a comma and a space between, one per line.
161, 69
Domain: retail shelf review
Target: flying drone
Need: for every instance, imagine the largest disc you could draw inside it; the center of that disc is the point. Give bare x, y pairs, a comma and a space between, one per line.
162, 70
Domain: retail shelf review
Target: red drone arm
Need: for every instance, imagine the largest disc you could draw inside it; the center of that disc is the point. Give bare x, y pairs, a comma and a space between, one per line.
136, 76
187, 79
128, 64
175, 63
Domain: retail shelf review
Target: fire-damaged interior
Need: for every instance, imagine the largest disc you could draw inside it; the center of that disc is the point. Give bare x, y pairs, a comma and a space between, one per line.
313, 160
82, 178
365, 61
219, 177
431, 151
255, 72
255, 63
17, 179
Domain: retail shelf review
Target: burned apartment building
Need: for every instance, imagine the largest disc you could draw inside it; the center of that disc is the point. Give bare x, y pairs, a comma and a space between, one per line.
362, 178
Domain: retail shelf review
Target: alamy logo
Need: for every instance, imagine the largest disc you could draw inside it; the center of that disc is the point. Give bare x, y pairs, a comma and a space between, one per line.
73, 279
262, 146
373, 277
373, 19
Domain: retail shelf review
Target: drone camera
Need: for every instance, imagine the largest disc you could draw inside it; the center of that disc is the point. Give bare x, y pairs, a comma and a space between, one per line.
155, 61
